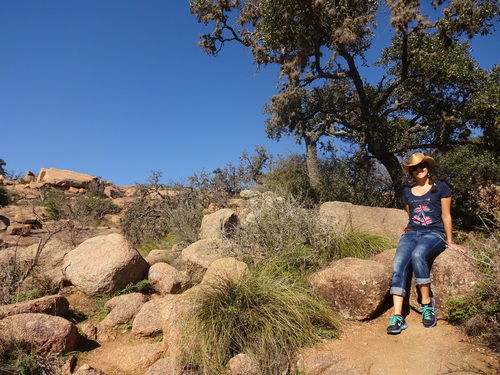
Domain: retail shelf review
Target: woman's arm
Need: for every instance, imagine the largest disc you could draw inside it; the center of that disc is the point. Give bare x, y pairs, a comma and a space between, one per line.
447, 221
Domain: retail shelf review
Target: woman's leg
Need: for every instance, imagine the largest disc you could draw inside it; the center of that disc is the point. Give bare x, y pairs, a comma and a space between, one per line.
400, 271
402, 263
397, 302
429, 246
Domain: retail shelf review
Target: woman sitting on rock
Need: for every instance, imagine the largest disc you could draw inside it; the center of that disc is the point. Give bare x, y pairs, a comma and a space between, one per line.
428, 234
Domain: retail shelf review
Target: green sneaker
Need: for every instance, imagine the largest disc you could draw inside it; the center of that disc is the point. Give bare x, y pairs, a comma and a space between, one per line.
429, 318
396, 325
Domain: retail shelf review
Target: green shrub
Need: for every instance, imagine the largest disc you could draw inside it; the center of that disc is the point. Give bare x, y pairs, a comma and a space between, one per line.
4, 197
55, 202
143, 286
93, 209
469, 169
266, 314
357, 179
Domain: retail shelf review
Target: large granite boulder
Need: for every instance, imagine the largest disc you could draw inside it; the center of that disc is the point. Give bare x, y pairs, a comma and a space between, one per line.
217, 224
42, 333
123, 309
52, 305
199, 255
356, 288
452, 275
343, 216
64, 178
104, 264
166, 279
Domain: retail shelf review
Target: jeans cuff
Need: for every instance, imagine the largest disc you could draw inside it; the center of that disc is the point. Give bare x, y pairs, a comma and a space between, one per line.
397, 291
422, 281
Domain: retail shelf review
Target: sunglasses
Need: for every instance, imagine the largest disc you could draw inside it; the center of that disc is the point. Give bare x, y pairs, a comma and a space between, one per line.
419, 166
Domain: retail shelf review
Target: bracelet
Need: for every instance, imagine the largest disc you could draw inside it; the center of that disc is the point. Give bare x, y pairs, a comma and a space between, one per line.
449, 243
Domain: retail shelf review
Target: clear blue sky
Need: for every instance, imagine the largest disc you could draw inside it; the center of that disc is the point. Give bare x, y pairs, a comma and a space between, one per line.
119, 88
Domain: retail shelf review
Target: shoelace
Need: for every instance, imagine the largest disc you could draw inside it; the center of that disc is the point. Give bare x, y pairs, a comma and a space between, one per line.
427, 311
396, 320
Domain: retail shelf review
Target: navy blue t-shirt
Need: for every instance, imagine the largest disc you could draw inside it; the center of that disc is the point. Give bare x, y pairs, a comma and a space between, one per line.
425, 210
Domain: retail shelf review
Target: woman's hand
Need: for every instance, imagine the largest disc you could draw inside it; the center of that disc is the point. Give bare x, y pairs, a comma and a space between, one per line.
456, 247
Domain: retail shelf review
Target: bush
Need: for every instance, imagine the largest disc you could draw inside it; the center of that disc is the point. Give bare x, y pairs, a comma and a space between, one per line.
469, 170
284, 231
4, 197
93, 209
266, 314
479, 312
161, 211
356, 179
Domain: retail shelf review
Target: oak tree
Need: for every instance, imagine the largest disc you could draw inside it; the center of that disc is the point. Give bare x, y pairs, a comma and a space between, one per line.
423, 90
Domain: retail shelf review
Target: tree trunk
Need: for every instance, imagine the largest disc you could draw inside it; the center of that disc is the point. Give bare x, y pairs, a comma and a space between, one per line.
395, 170
312, 162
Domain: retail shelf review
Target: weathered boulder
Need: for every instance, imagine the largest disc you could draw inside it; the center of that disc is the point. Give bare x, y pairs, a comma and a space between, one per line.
224, 269
123, 309
131, 358
88, 370
51, 259
199, 255
4, 222
104, 264
160, 367
113, 192
356, 288
43, 333
176, 326
27, 218
52, 305
29, 176
157, 256
64, 178
452, 275
166, 279
242, 364
218, 223
19, 230
148, 321
343, 216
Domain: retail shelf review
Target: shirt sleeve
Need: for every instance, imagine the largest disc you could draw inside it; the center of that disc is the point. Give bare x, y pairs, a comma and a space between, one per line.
445, 190
405, 196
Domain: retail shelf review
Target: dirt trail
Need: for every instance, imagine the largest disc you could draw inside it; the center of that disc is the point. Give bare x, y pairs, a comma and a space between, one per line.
363, 349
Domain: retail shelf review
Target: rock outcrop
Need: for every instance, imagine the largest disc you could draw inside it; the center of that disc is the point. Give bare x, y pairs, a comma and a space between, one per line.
65, 179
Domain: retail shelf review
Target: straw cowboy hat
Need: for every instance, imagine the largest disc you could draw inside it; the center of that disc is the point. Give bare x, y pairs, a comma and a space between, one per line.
418, 158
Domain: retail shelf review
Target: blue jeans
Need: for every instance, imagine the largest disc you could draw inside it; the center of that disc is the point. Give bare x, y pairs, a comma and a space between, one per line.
416, 250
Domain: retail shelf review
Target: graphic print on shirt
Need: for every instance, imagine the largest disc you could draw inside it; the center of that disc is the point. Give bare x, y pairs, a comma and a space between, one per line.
420, 208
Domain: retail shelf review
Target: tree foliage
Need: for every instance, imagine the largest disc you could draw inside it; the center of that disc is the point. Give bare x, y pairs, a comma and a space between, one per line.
430, 93
2, 164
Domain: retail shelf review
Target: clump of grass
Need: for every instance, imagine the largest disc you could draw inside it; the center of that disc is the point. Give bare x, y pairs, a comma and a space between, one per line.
142, 286
266, 314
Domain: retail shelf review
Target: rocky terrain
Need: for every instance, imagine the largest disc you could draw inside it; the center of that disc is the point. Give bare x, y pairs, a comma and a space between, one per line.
139, 334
